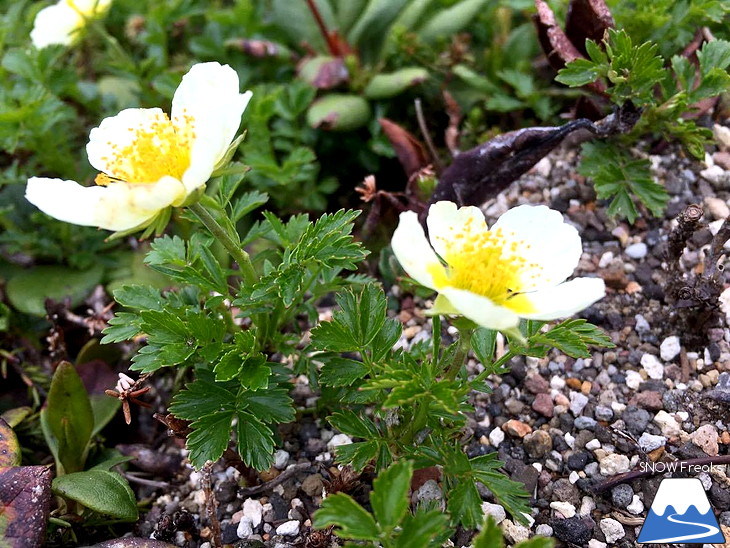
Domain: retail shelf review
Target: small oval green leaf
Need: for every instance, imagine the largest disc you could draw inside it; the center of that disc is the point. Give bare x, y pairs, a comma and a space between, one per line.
29, 289
100, 490
384, 86
339, 112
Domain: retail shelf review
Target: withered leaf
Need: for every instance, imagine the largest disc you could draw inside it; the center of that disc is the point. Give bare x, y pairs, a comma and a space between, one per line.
411, 153
25, 502
555, 43
587, 19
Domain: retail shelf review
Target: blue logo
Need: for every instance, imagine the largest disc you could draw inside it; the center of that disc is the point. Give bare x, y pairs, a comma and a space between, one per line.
680, 512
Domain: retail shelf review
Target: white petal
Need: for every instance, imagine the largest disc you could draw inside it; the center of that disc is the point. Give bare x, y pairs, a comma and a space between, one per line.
445, 221
117, 132
480, 309
119, 206
56, 24
209, 94
554, 245
413, 251
565, 299
90, 8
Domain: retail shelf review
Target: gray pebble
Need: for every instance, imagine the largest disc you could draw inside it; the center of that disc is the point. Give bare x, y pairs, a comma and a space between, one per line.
622, 495
585, 423
636, 251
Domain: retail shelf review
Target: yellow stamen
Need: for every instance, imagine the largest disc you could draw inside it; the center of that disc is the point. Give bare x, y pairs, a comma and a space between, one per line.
161, 148
487, 263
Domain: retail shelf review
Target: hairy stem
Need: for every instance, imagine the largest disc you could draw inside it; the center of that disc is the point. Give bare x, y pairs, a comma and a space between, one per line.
220, 234
462, 353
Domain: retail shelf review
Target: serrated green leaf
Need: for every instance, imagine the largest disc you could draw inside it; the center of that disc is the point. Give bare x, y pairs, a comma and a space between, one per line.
465, 504
389, 497
122, 327
358, 455
483, 343
209, 437
351, 423
255, 441
255, 372
490, 535
714, 54
269, 405
579, 73
228, 366
509, 493
424, 530
352, 520
201, 398
140, 297
338, 371
166, 251
536, 542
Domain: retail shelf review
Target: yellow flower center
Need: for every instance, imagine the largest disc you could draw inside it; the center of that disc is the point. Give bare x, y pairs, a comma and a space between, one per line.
161, 148
487, 263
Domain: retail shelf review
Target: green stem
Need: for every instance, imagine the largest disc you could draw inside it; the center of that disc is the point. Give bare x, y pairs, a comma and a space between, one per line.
420, 418
462, 353
501, 362
234, 248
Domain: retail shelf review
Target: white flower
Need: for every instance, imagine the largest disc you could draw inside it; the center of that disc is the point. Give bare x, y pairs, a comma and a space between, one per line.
147, 160
62, 23
494, 277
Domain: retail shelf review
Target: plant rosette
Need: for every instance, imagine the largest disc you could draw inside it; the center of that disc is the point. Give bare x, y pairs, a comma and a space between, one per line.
63, 22
495, 276
149, 161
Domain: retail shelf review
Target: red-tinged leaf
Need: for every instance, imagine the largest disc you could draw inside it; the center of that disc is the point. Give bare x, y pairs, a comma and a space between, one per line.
555, 43
411, 153
587, 19
323, 72
9, 446
25, 502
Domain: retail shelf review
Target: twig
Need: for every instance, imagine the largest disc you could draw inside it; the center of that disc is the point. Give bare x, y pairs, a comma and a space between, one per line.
133, 478
331, 44
285, 475
211, 507
426, 135
675, 465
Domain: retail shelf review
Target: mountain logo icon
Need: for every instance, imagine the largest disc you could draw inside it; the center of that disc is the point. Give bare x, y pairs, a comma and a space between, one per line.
680, 512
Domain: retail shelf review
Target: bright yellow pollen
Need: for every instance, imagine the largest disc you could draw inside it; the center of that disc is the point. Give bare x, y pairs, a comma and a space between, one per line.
160, 148
488, 264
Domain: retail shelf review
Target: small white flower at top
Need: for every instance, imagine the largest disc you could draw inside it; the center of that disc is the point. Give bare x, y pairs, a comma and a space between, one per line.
517, 269
63, 22
149, 162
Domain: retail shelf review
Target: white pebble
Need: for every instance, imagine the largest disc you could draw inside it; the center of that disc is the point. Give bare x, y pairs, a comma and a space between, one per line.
633, 379
667, 424
653, 367
636, 251
556, 383
649, 442
245, 528
281, 458
566, 509
613, 464
496, 437
606, 259
612, 529
577, 402
595, 543
636, 507
254, 511
514, 531
573, 477
670, 348
544, 529
587, 505
495, 510
593, 444
288, 528
337, 440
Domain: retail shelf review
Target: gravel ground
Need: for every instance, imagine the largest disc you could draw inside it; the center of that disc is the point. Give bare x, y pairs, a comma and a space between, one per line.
563, 426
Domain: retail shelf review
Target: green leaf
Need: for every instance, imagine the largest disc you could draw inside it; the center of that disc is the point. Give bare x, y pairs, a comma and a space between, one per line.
228, 366
338, 371
387, 85
201, 398
358, 455
536, 542
105, 492
339, 112
351, 423
255, 442
269, 405
370, 31
139, 297
389, 497
167, 251
510, 494
579, 73
573, 337
465, 504
353, 521
247, 203
424, 530
483, 343
209, 437
28, 290
490, 535
122, 327
714, 55
617, 175
449, 21
67, 419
